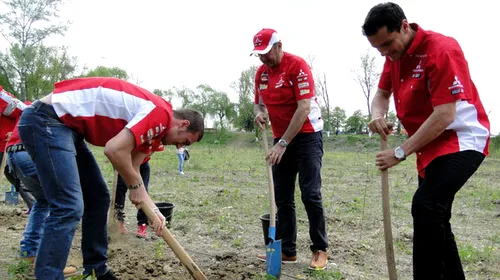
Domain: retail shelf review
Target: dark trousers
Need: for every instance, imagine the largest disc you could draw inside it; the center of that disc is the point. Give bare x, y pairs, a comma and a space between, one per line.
303, 156
16, 182
121, 191
435, 254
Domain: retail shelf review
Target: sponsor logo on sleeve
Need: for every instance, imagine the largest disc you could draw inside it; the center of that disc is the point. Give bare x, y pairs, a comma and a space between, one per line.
456, 87
303, 84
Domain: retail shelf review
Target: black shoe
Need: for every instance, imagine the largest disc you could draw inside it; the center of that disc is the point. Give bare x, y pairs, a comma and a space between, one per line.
107, 276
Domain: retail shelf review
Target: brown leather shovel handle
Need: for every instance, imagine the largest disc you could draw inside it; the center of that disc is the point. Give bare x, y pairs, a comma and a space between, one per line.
181, 254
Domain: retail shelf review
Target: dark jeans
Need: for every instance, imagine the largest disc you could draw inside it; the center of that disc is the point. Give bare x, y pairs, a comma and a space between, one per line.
435, 254
303, 156
74, 188
17, 183
121, 191
25, 170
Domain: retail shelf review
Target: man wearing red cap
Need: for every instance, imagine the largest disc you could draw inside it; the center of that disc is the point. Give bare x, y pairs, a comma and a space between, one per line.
284, 95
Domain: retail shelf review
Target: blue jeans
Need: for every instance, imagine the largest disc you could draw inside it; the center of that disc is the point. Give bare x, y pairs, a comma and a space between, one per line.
303, 157
181, 161
74, 188
24, 169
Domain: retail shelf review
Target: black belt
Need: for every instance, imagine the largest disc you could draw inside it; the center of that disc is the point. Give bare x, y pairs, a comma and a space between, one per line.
15, 148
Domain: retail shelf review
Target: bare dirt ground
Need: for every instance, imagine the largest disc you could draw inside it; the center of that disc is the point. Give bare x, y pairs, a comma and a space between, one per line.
219, 201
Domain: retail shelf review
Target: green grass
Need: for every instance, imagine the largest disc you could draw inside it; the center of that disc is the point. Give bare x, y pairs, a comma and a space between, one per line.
219, 200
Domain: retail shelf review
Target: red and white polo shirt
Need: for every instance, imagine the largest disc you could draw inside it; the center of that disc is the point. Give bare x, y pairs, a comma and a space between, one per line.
281, 87
434, 72
99, 108
10, 110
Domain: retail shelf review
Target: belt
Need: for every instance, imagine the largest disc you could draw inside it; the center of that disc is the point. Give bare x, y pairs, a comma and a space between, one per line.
15, 148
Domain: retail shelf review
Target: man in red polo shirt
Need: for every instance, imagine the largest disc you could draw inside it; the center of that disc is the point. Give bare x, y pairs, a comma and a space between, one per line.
10, 110
284, 94
448, 128
129, 122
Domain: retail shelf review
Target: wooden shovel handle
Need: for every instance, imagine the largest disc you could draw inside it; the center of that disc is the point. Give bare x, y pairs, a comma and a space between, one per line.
272, 212
2, 166
112, 210
181, 254
389, 247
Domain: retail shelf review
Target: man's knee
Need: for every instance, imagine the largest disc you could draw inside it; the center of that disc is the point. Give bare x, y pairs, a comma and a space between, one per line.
429, 211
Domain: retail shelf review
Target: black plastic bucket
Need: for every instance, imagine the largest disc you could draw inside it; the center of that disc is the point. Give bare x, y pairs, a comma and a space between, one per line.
265, 227
166, 209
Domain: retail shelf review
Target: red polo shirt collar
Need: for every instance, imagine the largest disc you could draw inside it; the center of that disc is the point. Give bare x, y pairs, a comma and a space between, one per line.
417, 41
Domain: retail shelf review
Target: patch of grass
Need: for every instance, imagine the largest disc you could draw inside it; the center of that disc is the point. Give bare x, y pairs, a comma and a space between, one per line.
20, 267
159, 249
327, 274
469, 254
403, 247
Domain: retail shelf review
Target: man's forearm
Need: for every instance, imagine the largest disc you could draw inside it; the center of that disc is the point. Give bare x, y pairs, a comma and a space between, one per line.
435, 124
298, 119
259, 108
380, 104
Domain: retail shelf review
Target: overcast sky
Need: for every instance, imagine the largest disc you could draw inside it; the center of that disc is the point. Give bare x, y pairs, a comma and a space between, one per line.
186, 43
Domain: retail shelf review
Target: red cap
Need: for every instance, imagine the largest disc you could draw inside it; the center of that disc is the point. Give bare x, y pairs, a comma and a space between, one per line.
264, 41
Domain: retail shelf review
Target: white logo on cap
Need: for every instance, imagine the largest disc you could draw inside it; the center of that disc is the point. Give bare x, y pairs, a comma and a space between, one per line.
257, 41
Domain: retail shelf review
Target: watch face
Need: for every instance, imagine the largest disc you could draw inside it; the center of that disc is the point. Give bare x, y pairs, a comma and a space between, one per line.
399, 153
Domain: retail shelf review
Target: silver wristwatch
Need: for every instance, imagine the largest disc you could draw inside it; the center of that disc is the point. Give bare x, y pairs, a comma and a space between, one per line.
399, 153
282, 142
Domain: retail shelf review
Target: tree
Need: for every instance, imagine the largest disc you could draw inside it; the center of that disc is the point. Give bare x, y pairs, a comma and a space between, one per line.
220, 106
245, 89
338, 118
321, 90
50, 65
102, 71
355, 123
29, 23
367, 77
166, 94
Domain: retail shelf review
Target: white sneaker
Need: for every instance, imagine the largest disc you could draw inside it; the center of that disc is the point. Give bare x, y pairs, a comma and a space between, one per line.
182, 173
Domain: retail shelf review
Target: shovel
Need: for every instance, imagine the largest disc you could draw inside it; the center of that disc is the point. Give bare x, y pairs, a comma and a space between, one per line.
273, 250
389, 247
181, 254
2, 167
113, 226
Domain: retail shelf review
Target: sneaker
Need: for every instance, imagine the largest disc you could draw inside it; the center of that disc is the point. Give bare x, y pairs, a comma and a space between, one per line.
182, 173
284, 258
107, 276
141, 231
123, 230
319, 260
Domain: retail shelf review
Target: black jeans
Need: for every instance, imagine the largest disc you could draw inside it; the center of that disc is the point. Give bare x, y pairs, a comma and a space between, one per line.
435, 254
303, 156
121, 190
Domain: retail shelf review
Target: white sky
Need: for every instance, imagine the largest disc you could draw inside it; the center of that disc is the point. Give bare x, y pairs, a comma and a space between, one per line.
186, 43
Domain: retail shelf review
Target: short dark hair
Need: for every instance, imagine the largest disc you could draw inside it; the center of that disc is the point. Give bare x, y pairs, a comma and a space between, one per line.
195, 118
386, 14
